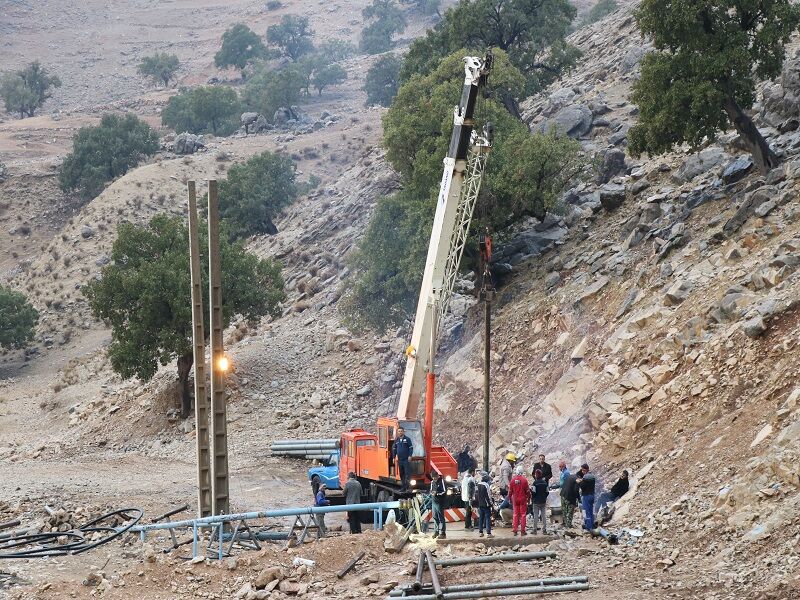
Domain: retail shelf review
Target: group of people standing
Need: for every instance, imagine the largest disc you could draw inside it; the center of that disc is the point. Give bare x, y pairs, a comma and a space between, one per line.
521, 497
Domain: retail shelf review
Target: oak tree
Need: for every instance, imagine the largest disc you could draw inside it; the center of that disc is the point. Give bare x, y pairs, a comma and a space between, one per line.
701, 78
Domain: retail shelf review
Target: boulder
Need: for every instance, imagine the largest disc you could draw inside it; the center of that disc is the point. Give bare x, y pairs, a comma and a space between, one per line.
259, 125
700, 163
632, 59
612, 196
782, 100
552, 280
677, 293
559, 99
592, 290
3, 172
187, 143
752, 201
248, 118
282, 116
754, 327
613, 164
86, 232
737, 169
267, 576
574, 121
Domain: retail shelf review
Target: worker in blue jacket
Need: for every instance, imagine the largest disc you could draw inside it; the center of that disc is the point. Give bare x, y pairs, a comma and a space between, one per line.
321, 500
438, 492
402, 450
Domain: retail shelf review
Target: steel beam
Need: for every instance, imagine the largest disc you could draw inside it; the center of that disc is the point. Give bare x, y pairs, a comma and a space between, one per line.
204, 504
220, 484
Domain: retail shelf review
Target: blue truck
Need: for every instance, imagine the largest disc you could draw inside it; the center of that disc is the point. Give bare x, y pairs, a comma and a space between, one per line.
328, 474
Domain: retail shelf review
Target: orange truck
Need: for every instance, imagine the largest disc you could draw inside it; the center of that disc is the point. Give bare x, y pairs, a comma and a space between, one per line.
366, 454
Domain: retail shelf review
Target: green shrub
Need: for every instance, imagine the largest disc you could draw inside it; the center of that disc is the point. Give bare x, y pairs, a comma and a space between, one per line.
525, 176
104, 152
267, 90
144, 296
17, 319
387, 20
531, 32
382, 80
337, 50
240, 46
206, 109
25, 91
292, 36
256, 192
161, 67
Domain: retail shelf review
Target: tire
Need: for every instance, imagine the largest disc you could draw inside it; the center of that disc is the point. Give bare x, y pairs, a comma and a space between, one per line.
315, 483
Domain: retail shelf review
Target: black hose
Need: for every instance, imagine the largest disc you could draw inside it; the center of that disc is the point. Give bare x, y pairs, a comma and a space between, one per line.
46, 544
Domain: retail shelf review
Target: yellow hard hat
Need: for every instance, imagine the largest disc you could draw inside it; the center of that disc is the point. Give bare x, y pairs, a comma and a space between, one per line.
511, 457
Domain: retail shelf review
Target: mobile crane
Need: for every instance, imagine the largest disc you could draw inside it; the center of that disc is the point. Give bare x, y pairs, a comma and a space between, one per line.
366, 454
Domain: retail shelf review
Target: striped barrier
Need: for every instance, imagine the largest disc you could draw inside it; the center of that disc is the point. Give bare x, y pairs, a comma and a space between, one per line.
451, 515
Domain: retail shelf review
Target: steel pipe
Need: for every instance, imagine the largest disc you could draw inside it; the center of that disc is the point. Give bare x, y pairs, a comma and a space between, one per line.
437, 587
517, 591
417, 585
261, 536
319, 441
265, 514
472, 587
303, 446
9, 524
170, 513
489, 558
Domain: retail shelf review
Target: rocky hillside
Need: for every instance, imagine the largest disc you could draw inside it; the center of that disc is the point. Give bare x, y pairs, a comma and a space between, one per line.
653, 327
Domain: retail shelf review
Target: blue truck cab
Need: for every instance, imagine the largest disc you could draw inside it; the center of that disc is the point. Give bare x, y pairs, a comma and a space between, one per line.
328, 474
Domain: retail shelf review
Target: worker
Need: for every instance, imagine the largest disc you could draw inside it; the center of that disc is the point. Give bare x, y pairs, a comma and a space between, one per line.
507, 471
484, 496
569, 498
468, 496
618, 490
540, 493
562, 478
546, 469
352, 495
402, 450
321, 500
506, 511
438, 492
465, 460
520, 493
563, 473
586, 483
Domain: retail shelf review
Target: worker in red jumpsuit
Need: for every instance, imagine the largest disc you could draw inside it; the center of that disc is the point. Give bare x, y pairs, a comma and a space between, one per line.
520, 493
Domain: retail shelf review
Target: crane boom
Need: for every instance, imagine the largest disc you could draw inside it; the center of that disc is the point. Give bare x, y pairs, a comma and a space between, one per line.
463, 171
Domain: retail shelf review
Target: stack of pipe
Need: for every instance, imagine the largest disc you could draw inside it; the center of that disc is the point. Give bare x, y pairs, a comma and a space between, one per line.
309, 449
525, 587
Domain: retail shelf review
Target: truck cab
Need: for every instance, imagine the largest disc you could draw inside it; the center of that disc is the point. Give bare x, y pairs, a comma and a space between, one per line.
328, 474
369, 457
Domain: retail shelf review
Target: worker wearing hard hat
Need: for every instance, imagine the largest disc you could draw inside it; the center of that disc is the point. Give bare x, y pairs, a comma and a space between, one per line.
506, 471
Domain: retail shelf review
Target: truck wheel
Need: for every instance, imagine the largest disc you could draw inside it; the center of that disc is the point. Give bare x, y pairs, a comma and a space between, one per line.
315, 483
